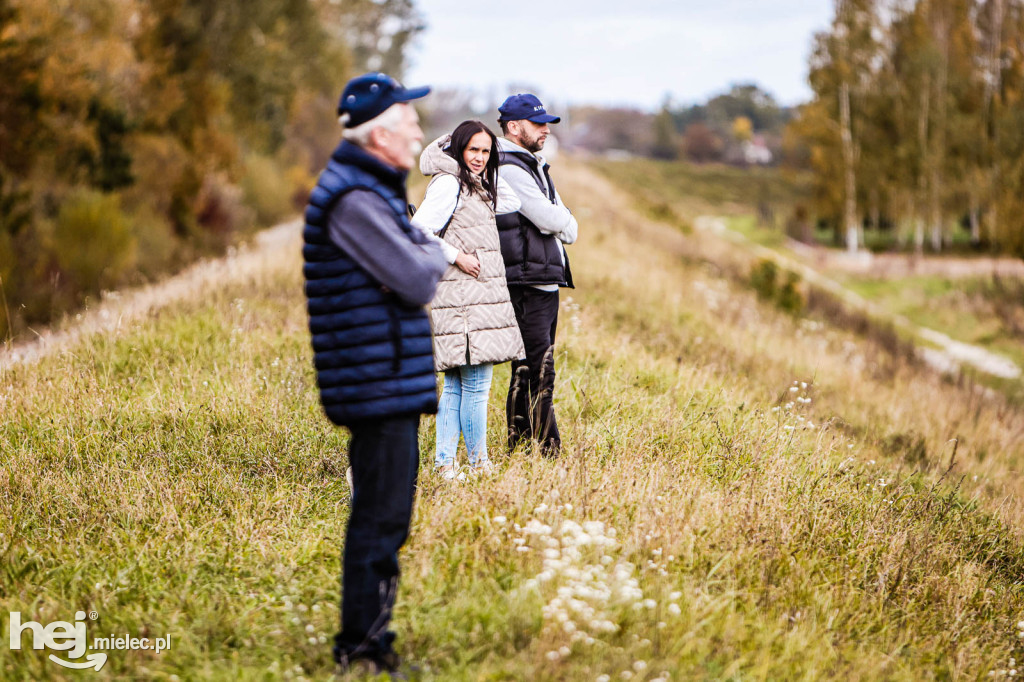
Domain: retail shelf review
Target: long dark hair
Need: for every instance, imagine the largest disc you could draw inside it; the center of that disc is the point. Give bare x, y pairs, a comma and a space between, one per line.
457, 149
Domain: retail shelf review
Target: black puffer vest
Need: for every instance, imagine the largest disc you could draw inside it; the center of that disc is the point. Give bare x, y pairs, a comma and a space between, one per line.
373, 354
531, 257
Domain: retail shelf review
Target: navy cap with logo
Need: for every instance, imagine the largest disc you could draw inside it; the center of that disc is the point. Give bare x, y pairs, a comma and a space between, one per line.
368, 96
525, 106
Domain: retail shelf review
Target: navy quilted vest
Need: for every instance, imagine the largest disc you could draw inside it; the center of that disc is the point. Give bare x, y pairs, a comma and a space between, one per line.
373, 354
531, 257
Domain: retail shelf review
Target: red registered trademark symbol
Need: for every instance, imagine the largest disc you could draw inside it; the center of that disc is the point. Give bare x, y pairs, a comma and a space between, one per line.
93, 615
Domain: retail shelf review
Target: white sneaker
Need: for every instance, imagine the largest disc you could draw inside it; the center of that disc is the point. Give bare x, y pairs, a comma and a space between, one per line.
484, 468
450, 472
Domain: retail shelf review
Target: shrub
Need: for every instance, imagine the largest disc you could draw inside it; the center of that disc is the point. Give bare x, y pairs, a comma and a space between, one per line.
6, 267
94, 244
766, 281
762, 278
799, 225
300, 182
158, 164
266, 189
910, 446
220, 211
158, 248
15, 217
789, 297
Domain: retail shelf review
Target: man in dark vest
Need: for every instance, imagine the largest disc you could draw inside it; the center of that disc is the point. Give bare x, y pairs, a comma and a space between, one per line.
368, 275
536, 266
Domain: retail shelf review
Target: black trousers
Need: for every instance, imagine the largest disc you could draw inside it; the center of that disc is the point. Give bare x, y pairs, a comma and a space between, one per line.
529, 407
384, 455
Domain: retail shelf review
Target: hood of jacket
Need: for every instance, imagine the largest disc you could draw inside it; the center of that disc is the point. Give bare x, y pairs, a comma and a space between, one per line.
433, 160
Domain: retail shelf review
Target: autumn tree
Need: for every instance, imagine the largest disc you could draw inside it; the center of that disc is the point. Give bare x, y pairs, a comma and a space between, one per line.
701, 144
926, 97
666, 144
169, 120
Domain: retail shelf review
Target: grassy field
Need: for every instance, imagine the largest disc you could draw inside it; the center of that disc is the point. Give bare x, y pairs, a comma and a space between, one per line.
982, 310
680, 189
742, 495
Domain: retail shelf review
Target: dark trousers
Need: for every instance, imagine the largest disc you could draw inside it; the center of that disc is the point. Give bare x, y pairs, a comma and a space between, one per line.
529, 408
384, 455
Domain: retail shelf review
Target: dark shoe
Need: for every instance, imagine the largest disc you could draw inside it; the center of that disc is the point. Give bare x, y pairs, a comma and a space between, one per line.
551, 449
366, 669
390, 665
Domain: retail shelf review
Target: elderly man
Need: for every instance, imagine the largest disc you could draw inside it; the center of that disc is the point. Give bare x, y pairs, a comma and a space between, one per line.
368, 275
535, 267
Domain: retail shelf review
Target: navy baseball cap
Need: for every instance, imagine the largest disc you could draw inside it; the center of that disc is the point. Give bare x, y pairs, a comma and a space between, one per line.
367, 96
525, 106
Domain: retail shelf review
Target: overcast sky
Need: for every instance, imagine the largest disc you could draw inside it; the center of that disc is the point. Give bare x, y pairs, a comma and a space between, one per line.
629, 52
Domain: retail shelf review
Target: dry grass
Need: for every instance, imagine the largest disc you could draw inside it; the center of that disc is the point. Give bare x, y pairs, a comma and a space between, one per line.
177, 477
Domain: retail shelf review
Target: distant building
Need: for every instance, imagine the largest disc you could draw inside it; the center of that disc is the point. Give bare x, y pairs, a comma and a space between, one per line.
618, 155
756, 152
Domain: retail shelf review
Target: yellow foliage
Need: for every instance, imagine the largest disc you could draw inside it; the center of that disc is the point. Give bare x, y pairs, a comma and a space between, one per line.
158, 163
95, 247
742, 128
300, 184
266, 189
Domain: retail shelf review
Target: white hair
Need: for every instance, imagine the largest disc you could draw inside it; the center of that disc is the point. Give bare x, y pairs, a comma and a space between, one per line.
388, 119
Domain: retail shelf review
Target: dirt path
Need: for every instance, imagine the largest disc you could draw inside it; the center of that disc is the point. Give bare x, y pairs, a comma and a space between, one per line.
949, 355
118, 309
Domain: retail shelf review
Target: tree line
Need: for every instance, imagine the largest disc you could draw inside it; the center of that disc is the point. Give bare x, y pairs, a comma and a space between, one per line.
917, 121
721, 129
136, 135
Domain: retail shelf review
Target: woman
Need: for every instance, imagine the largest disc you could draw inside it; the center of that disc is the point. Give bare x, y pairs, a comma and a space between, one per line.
474, 323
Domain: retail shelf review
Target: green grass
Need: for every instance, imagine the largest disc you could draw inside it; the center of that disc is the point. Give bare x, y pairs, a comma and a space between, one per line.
665, 188
980, 311
891, 239
976, 310
758, 234
178, 478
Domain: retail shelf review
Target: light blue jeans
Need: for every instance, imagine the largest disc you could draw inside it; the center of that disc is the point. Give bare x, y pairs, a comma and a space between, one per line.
463, 408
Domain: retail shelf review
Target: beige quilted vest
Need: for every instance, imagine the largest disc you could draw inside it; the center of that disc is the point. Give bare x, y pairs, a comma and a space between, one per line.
473, 319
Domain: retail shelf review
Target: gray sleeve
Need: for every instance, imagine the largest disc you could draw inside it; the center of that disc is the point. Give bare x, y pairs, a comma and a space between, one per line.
550, 218
363, 226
